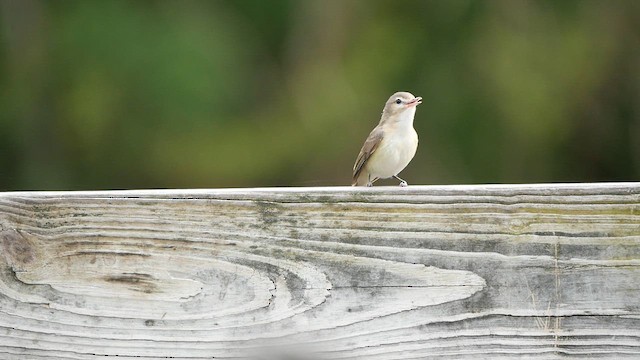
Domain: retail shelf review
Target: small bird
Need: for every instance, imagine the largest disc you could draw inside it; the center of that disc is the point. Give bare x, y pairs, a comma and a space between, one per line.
391, 145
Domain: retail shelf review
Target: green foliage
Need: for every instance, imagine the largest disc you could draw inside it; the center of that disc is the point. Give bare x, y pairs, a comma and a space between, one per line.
137, 94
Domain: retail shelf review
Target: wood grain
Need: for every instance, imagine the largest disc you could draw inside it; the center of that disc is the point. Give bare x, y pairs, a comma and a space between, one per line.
483, 272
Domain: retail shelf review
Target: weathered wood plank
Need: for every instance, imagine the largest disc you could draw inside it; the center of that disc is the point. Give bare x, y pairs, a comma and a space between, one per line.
531, 271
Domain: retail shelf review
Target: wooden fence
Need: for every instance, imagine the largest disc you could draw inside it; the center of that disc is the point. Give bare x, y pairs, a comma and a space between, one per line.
483, 272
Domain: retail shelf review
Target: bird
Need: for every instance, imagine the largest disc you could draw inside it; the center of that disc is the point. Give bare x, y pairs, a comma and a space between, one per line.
391, 145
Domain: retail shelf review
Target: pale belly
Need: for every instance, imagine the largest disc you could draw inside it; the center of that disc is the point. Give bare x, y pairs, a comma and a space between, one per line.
392, 155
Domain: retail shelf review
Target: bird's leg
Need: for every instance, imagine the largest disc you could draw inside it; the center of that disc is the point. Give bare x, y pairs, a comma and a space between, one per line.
402, 182
370, 183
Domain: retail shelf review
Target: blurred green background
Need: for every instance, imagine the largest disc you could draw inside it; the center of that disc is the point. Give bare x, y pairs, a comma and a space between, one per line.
106, 94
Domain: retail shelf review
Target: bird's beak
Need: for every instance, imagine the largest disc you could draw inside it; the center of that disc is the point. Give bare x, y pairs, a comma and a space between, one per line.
415, 102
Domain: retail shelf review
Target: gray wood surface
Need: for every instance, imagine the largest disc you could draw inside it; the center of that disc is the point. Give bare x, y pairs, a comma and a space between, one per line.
484, 272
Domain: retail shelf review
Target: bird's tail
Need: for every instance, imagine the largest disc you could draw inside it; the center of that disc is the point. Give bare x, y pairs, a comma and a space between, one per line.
361, 180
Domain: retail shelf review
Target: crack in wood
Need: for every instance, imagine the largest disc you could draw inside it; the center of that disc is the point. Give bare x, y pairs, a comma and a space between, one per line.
139, 282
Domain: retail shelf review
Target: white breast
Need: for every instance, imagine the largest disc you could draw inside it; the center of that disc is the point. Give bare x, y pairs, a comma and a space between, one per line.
394, 153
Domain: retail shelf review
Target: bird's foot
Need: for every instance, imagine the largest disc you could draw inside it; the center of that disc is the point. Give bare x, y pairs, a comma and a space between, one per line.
402, 182
369, 184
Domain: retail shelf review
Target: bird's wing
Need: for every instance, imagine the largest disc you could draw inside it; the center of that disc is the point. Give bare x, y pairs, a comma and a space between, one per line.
370, 145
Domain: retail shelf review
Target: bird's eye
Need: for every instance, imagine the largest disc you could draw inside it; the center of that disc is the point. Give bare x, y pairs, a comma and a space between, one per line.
398, 101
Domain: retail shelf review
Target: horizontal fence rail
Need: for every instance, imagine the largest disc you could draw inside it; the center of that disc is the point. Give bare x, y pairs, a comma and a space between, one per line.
483, 272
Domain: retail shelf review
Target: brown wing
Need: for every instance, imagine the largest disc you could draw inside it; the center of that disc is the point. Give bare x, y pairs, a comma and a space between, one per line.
370, 145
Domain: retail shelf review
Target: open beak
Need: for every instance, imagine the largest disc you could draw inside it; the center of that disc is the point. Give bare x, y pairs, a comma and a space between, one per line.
415, 102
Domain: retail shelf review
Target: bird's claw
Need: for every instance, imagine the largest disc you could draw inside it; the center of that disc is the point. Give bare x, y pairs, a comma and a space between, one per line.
403, 184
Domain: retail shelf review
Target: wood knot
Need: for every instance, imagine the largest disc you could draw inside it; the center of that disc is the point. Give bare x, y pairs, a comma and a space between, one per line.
18, 249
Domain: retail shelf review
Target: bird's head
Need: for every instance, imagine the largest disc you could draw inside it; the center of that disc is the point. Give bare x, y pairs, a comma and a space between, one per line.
401, 104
